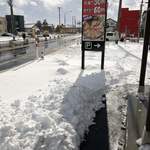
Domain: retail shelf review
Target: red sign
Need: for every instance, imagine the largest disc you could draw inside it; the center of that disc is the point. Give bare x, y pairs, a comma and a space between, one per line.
94, 20
94, 7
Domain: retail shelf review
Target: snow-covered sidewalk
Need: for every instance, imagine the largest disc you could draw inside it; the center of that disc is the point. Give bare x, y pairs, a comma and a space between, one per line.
49, 104
122, 69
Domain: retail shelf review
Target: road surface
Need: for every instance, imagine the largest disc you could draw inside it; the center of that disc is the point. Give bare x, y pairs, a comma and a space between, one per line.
53, 46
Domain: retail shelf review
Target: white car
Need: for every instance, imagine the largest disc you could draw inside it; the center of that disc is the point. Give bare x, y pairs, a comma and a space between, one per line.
8, 37
112, 36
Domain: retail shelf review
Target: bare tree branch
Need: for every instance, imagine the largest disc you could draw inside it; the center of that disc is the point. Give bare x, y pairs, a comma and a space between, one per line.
10, 3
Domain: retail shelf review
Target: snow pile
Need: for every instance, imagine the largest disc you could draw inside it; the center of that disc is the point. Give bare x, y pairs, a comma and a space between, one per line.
145, 147
122, 67
49, 104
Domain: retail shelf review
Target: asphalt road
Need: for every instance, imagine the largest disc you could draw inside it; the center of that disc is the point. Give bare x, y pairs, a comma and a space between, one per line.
52, 46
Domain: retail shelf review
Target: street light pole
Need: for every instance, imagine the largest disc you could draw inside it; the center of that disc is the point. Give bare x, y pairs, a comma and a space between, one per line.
73, 21
64, 18
145, 48
65, 14
59, 14
119, 15
10, 3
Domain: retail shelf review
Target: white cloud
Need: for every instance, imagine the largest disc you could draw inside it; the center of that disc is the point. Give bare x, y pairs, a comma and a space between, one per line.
52, 3
48, 8
20, 3
45, 3
33, 3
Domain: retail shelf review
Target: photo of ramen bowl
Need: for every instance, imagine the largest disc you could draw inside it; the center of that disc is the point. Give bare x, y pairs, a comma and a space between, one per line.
93, 27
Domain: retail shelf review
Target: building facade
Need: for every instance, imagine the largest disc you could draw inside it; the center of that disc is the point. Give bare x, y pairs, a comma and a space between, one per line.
129, 22
18, 23
112, 25
3, 25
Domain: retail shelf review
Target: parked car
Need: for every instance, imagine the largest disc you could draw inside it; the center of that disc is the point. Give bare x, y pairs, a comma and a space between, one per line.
5, 34
8, 37
112, 36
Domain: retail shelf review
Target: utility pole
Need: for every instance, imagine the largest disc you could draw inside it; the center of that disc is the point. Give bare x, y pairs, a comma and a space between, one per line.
65, 19
65, 15
140, 18
59, 14
145, 48
10, 3
73, 21
119, 15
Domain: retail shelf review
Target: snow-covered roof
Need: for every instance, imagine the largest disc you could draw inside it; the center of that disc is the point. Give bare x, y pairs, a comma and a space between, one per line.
29, 25
112, 20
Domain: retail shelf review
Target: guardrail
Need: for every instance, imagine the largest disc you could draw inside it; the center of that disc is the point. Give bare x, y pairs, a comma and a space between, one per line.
14, 48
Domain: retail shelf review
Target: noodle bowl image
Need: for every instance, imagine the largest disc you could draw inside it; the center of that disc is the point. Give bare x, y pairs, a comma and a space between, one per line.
93, 28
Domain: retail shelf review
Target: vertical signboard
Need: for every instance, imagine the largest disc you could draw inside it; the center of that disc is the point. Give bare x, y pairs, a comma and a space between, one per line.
94, 15
93, 24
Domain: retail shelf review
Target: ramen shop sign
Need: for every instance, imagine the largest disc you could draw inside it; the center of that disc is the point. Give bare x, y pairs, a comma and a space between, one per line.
93, 24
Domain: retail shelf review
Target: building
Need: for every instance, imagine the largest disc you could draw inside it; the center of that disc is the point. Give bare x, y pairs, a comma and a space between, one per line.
129, 22
112, 25
67, 29
18, 23
32, 29
71, 30
29, 28
48, 28
3, 25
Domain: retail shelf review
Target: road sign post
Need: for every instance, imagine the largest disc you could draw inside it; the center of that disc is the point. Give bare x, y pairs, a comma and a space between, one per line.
145, 48
148, 117
94, 14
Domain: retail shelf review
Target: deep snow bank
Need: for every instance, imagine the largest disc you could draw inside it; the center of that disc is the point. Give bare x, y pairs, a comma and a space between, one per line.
48, 105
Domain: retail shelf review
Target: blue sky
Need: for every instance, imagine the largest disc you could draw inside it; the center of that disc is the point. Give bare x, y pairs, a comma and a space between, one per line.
34, 10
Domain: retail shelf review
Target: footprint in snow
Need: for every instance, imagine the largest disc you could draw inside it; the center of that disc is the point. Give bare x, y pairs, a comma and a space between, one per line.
62, 71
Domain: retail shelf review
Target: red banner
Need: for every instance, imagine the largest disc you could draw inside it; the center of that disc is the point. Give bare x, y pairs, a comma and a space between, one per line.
94, 7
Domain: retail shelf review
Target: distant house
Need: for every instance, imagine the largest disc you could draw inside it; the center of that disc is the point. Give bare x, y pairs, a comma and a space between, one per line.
48, 28
112, 25
29, 28
32, 29
3, 25
67, 29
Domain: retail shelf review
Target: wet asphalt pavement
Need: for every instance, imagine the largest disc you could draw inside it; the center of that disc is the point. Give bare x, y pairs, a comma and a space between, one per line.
52, 46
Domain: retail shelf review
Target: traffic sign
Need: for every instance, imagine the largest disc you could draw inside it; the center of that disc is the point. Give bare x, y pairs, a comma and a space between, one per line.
93, 45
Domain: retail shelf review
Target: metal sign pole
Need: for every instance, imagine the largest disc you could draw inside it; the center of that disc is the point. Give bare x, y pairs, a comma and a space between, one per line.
83, 60
148, 117
102, 60
145, 48
103, 52
94, 15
